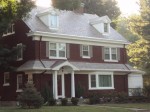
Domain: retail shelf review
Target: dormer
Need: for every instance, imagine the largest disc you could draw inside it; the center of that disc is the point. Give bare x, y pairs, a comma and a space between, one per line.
50, 18
101, 24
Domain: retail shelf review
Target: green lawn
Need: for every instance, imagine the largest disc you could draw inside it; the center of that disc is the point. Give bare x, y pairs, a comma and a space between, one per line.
66, 109
139, 105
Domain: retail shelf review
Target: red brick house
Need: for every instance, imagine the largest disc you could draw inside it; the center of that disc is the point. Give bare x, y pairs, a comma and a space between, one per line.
65, 49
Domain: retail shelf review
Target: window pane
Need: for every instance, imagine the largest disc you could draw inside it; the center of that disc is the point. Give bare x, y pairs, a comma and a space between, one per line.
54, 21
107, 53
6, 78
61, 53
105, 81
85, 53
113, 50
53, 46
93, 81
105, 27
20, 83
85, 48
53, 53
20, 51
114, 57
62, 47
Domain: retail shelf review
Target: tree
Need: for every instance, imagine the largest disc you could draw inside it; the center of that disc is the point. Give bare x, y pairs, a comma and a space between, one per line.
66, 4
13, 10
139, 53
123, 29
102, 8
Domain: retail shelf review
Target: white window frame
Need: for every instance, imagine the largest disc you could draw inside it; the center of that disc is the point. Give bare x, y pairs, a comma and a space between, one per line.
6, 83
51, 20
110, 54
108, 28
86, 50
97, 81
20, 58
57, 51
19, 90
12, 31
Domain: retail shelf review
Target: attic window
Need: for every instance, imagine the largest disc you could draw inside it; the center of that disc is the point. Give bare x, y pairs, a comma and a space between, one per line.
54, 21
106, 26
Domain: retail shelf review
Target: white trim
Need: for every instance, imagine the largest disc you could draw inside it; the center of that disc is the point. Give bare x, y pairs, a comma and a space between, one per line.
9, 33
63, 85
76, 39
5, 75
19, 90
87, 51
97, 81
21, 48
72, 84
57, 51
66, 63
110, 54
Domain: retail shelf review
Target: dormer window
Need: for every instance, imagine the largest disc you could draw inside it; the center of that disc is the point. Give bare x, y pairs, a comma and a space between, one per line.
106, 26
54, 21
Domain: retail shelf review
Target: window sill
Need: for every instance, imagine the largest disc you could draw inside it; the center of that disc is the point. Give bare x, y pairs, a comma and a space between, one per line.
111, 60
19, 90
57, 58
4, 35
20, 59
87, 57
105, 88
6, 84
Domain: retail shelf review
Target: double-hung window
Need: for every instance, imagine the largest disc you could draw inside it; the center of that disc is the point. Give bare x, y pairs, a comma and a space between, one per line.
57, 50
19, 52
110, 54
6, 79
10, 30
101, 81
85, 51
54, 21
19, 83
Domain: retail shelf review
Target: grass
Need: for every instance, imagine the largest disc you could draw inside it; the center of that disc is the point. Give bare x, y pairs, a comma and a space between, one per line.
66, 109
136, 105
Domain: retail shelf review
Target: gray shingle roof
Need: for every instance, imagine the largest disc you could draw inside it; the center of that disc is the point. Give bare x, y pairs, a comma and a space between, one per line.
71, 23
82, 66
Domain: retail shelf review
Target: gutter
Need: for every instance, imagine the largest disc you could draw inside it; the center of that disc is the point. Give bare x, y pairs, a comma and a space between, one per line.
74, 37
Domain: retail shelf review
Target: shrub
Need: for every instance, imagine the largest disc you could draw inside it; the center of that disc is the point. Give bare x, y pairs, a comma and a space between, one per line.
94, 99
74, 101
52, 102
79, 91
30, 98
136, 92
64, 101
121, 97
146, 90
46, 93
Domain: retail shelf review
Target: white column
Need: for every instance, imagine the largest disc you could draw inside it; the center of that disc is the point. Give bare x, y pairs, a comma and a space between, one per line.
55, 85
63, 86
72, 85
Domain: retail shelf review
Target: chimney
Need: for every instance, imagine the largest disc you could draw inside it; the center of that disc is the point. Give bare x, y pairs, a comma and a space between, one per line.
80, 10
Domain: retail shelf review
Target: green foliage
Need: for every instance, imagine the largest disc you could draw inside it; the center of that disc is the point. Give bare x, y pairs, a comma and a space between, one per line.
139, 53
123, 29
146, 90
74, 101
79, 91
64, 101
66, 4
30, 98
52, 102
47, 93
12, 10
6, 57
102, 7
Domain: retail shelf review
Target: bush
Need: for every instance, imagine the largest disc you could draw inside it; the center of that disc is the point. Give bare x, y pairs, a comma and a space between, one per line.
136, 92
94, 99
64, 101
121, 97
51, 102
79, 91
146, 90
74, 101
47, 93
30, 98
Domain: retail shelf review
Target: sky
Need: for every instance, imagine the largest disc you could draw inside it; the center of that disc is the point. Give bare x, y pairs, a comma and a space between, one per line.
127, 7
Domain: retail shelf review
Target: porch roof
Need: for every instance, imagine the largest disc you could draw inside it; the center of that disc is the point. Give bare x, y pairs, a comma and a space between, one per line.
80, 66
